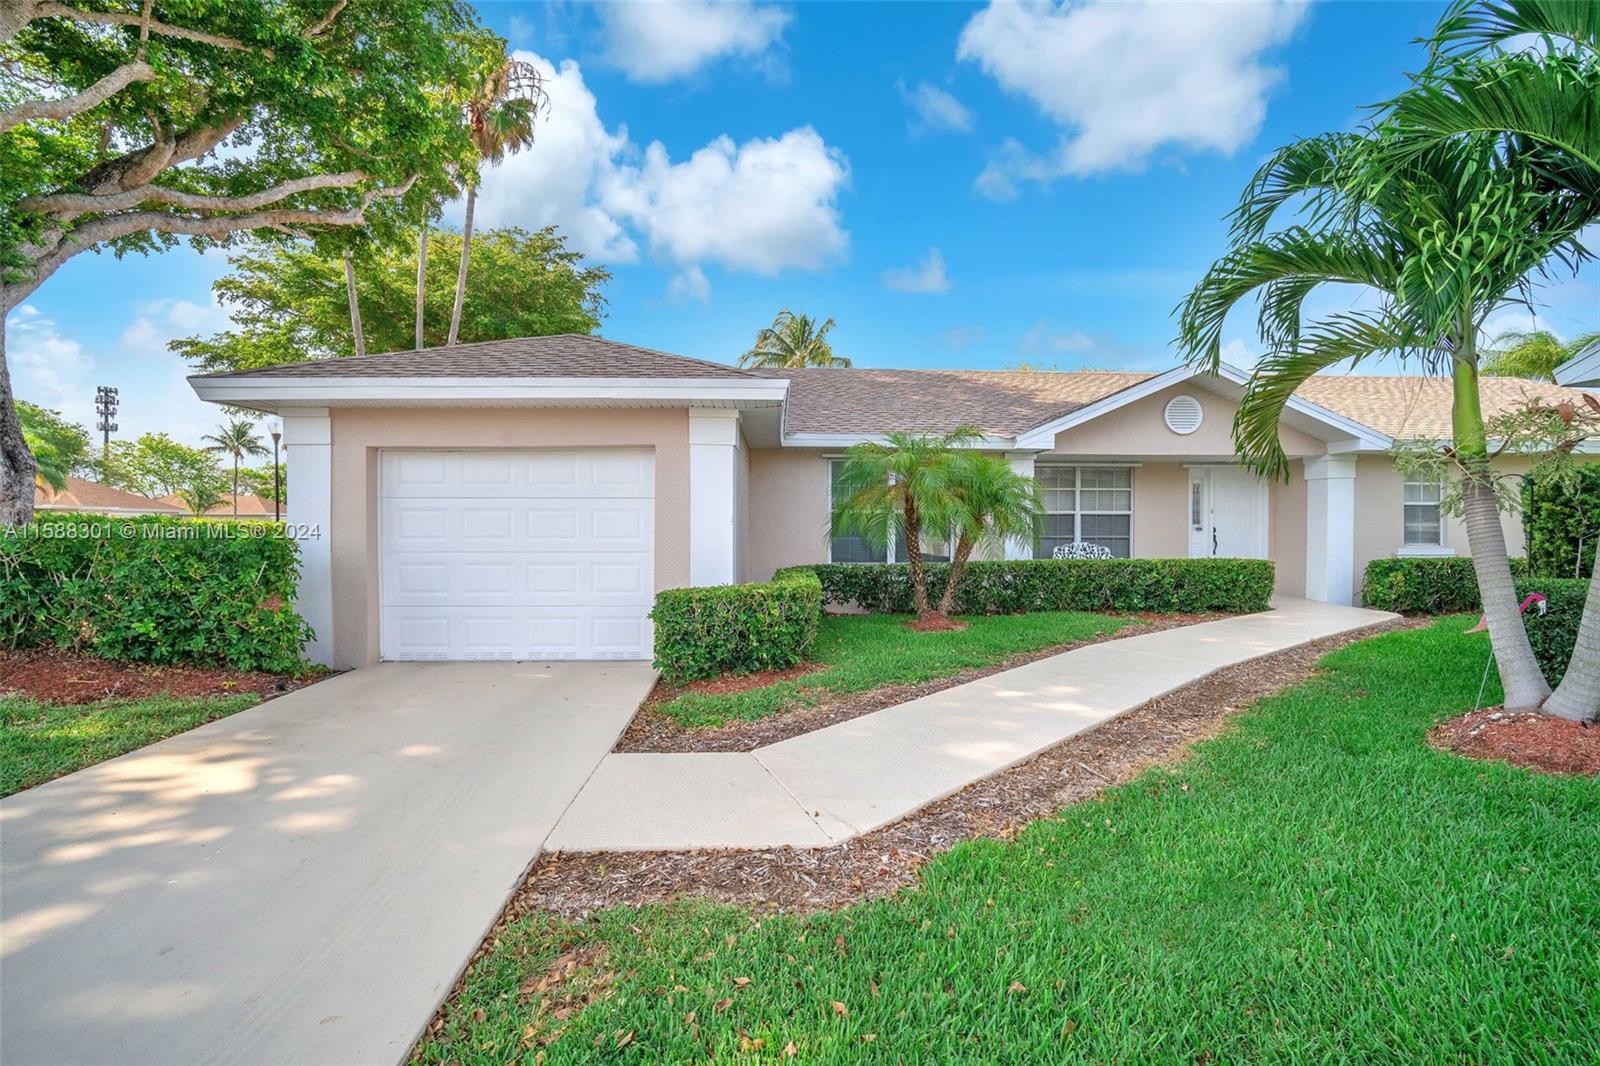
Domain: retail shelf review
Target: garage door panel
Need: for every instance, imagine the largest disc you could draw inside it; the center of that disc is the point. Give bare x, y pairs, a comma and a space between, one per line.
516, 555
528, 475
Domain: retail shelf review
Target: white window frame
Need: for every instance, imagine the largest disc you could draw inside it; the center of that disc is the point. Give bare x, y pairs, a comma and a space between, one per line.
891, 548
1437, 547
1078, 512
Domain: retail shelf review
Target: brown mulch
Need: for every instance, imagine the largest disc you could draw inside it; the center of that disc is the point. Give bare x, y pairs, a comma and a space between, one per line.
56, 675
1535, 741
652, 730
884, 860
726, 683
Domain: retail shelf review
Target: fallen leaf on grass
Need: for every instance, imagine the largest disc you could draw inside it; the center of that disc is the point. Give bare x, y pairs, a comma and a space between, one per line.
840, 1009
721, 1005
741, 981
789, 1050
1017, 986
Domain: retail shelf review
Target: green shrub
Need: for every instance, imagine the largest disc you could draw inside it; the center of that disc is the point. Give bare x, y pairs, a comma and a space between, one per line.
1181, 586
1448, 586
1563, 528
702, 632
153, 589
1445, 585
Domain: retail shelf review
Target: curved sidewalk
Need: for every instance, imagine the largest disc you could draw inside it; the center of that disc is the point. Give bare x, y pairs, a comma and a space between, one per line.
829, 785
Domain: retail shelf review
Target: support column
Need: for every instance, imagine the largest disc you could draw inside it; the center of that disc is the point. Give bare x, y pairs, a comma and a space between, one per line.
1021, 463
1331, 529
308, 462
713, 503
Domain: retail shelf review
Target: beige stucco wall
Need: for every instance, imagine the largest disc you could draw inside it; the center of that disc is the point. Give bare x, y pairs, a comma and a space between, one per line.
1139, 430
787, 510
359, 433
1380, 512
1161, 511
1286, 530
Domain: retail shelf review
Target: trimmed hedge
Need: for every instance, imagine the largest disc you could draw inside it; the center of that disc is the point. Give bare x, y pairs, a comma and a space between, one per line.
1449, 586
1561, 525
1444, 585
1179, 586
153, 589
768, 625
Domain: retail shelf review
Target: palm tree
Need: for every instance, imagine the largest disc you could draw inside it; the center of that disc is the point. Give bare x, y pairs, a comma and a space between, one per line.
234, 437
793, 341
1534, 354
500, 117
902, 486
201, 495
1443, 237
989, 503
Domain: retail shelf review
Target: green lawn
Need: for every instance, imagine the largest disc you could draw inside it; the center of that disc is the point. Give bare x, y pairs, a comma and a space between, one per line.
39, 741
1315, 885
866, 651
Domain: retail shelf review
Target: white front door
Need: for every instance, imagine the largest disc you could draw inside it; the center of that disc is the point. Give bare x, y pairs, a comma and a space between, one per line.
502, 554
1227, 513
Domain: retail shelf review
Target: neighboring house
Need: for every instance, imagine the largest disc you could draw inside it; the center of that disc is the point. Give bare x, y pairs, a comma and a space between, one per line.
91, 497
250, 506
525, 499
1581, 370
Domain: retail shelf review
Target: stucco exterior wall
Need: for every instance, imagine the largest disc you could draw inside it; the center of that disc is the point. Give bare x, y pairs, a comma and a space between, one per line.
1139, 430
1161, 511
359, 434
788, 510
1286, 530
1380, 513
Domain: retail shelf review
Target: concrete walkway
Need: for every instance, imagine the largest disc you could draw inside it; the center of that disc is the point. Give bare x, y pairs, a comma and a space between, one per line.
299, 883
835, 783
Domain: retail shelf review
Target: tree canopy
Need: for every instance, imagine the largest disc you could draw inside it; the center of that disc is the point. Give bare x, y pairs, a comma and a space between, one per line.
156, 465
61, 447
288, 302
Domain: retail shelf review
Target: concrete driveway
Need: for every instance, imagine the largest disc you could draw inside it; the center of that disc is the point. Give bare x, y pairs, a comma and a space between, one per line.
299, 883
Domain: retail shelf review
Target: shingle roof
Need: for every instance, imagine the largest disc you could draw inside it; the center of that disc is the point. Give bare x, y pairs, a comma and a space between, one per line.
1002, 402
560, 356
250, 505
1418, 408
93, 495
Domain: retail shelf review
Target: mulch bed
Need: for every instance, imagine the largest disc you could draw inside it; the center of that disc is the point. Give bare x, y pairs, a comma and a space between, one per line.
885, 860
56, 675
651, 730
1535, 741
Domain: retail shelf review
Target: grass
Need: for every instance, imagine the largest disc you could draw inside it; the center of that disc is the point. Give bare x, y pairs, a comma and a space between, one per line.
1314, 886
868, 651
40, 741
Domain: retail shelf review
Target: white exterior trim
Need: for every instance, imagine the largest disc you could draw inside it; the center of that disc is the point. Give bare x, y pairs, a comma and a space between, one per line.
308, 433
987, 442
1021, 463
1580, 370
1044, 436
268, 391
1331, 528
1425, 551
713, 496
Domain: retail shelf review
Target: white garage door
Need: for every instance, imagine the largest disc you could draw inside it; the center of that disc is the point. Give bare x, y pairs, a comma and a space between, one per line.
516, 554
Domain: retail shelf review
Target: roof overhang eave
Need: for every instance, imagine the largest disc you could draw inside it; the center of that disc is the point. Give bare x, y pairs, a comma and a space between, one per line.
273, 392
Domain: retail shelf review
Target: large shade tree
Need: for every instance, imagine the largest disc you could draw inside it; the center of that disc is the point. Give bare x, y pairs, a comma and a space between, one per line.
130, 126
791, 342
287, 302
1440, 238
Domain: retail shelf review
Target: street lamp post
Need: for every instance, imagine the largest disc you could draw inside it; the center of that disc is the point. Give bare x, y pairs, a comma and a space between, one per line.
277, 487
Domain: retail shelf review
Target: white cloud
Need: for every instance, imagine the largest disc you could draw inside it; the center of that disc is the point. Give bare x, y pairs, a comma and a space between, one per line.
658, 42
935, 109
927, 276
1124, 79
1040, 338
689, 284
1239, 354
767, 205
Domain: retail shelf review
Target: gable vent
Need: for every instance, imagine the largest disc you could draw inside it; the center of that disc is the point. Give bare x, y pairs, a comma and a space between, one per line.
1183, 415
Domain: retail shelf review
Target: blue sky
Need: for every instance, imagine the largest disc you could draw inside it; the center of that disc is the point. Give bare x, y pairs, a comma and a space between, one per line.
958, 185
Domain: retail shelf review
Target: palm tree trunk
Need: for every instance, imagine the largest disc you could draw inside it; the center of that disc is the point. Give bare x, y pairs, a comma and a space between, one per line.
958, 564
1578, 696
1520, 676
355, 304
461, 271
17, 465
422, 276
236, 476
919, 573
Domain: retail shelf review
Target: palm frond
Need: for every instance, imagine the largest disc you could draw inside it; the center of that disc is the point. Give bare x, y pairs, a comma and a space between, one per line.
1478, 25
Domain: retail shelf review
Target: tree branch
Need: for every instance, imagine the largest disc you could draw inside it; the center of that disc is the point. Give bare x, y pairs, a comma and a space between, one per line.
113, 226
52, 9
319, 27
65, 107
69, 205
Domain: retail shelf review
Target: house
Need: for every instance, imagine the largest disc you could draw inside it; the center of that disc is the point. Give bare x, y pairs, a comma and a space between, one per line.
1581, 370
525, 499
250, 506
90, 497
